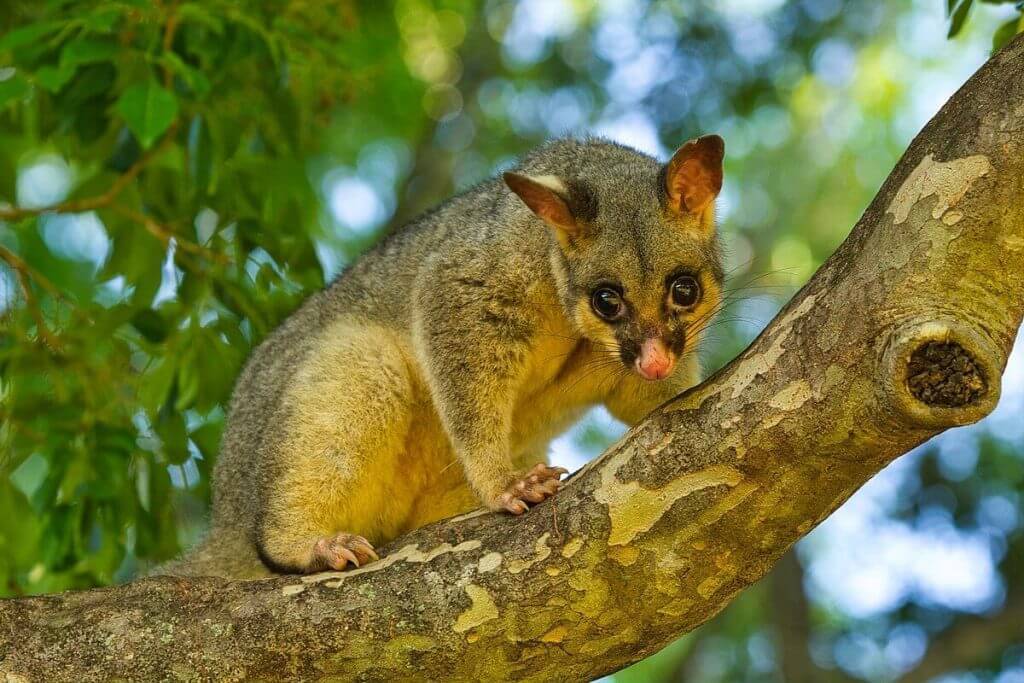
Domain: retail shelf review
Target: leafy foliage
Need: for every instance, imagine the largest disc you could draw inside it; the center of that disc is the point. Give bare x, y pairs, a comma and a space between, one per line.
186, 232
958, 11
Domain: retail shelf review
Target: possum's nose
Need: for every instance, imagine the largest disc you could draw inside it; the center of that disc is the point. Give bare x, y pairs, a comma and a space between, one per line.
655, 360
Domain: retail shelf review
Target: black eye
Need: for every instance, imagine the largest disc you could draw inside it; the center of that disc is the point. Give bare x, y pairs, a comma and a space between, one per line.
607, 303
685, 291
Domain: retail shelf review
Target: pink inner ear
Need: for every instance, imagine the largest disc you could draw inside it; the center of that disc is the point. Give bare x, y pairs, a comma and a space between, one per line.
695, 174
555, 211
695, 186
543, 201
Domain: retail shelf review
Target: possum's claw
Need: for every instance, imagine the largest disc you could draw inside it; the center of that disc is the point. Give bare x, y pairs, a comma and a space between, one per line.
338, 551
537, 484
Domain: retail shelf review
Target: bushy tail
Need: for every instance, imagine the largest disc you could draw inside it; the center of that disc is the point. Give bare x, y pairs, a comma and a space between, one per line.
229, 555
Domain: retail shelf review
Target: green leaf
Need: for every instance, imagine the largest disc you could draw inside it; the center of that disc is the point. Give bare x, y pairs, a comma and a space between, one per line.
270, 40
226, 137
136, 255
959, 16
217, 364
151, 325
53, 78
104, 19
196, 13
14, 88
28, 34
1005, 33
200, 155
87, 51
93, 82
191, 288
30, 474
74, 278
148, 110
207, 439
157, 383
8, 174
170, 427
195, 79
188, 382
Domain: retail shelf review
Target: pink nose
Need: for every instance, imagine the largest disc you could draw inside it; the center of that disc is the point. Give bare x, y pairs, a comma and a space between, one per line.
654, 361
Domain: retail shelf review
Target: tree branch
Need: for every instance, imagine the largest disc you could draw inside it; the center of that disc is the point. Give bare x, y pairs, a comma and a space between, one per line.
791, 613
24, 273
970, 641
165, 234
904, 332
100, 201
170, 29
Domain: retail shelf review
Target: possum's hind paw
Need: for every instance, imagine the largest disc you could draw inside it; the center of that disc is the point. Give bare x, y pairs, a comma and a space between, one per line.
539, 483
340, 550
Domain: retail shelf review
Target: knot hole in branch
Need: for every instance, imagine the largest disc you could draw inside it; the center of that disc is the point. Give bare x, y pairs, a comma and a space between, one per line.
939, 373
945, 374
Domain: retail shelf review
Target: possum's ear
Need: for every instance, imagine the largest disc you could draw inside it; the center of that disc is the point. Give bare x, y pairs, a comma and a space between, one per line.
693, 177
547, 197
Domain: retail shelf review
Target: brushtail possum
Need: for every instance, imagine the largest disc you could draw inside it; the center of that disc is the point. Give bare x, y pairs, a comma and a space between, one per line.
429, 377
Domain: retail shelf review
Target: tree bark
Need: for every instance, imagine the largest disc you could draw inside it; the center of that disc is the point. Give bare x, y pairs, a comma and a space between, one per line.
902, 333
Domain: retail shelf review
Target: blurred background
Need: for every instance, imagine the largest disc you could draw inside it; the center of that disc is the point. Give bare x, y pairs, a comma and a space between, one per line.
176, 176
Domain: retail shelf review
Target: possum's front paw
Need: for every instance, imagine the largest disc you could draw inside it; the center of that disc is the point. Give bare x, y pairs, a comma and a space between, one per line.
537, 484
340, 550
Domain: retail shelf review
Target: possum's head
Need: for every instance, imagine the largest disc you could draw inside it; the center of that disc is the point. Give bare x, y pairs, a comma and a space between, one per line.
634, 249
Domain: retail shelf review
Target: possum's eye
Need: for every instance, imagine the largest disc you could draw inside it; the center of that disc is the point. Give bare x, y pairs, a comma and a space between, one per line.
607, 303
685, 291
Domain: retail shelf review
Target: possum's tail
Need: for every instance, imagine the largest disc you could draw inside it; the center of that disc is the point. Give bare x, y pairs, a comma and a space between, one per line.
223, 553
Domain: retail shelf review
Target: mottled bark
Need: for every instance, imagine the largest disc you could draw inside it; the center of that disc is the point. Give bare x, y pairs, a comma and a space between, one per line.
903, 332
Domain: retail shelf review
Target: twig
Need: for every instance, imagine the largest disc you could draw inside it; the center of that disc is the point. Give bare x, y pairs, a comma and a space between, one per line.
168, 42
22, 271
99, 201
165, 234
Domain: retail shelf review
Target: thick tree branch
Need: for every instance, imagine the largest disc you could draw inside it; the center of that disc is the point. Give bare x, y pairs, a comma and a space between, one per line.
904, 332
